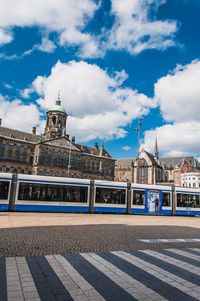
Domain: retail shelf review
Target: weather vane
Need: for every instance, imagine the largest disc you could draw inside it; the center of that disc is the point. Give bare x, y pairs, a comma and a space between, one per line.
58, 94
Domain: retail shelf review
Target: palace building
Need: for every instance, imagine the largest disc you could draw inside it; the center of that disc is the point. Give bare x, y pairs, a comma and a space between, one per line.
53, 153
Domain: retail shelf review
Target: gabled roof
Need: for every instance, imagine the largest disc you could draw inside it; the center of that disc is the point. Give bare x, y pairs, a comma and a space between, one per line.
192, 170
124, 163
63, 142
172, 162
150, 156
93, 150
19, 135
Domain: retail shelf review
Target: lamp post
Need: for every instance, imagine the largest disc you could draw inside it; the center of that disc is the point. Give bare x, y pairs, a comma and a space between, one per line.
138, 131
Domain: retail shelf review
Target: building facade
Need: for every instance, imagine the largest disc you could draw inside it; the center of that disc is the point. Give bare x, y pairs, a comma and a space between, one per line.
149, 169
144, 170
191, 178
53, 153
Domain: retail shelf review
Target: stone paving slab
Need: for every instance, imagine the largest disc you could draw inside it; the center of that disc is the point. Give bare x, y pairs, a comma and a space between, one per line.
142, 275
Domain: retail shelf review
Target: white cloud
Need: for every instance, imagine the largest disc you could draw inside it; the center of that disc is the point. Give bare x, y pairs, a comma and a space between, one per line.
66, 17
99, 106
178, 93
5, 36
176, 139
135, 31
46, 45
126, 148
17, 115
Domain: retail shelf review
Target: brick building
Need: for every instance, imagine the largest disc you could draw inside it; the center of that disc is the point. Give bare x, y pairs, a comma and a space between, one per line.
53, 153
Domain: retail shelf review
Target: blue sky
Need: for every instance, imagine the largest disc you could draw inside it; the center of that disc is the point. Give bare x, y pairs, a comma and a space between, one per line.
113, 61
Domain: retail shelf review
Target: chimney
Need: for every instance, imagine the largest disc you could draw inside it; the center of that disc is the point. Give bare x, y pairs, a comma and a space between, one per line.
73, 139
34, 130
96, 145
0, 121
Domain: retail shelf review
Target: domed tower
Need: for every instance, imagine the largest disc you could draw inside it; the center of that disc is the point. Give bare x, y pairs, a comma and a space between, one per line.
56, 121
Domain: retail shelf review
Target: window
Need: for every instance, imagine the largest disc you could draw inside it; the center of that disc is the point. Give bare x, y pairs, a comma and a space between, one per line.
41, 160
83, 165
55, 162
16, 157
61, 154
42, 151
61, 162
166, 199
17, 148
48, 161
10, 147
110, 196
55, 153
49, 152
66, 163
188, 200
52, 193
2, 145
4, 189
25, 150
138, 197
1, 154
9, 155
24, 158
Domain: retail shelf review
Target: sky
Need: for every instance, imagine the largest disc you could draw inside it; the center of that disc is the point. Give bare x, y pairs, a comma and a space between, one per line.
113, 61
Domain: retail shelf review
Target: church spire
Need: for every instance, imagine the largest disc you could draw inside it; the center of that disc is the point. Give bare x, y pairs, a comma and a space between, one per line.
156, 148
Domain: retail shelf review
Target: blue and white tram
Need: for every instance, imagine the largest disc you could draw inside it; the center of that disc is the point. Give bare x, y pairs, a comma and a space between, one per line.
110, 196
42, 193
5, 184
151, 199
187, 201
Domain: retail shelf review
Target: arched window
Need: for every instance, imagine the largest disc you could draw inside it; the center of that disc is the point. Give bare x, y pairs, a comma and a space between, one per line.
53, 120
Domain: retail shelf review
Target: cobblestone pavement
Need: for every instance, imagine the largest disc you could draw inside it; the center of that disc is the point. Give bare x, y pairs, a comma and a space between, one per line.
19, 235
99, 257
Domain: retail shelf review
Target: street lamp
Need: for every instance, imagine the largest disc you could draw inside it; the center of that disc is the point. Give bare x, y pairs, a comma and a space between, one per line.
138, 131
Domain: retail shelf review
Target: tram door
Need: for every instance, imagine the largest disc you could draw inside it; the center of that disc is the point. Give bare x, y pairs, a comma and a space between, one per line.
153, 201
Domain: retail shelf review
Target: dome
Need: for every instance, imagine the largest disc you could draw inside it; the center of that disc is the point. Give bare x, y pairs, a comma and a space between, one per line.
57, 108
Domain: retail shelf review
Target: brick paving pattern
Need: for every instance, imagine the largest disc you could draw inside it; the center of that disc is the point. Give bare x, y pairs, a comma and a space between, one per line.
143, 275
99, 257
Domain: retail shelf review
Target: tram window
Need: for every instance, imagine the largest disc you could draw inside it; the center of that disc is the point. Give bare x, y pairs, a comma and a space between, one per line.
138, 197
166, 199
52, 193
110, 196
4, 188
188, 200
